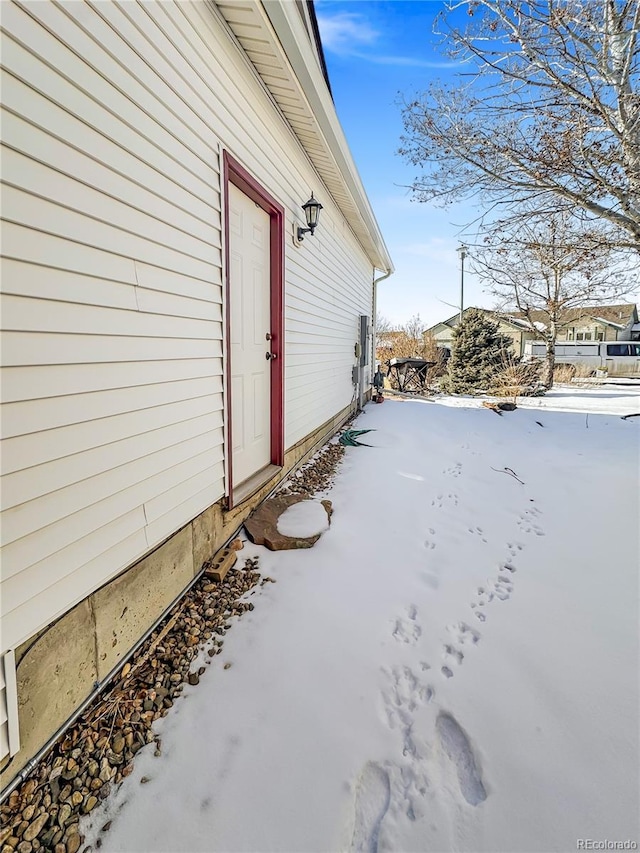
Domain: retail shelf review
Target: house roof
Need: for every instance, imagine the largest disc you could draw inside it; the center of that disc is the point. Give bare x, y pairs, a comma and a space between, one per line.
610, 323
281, 40
451, 322
315, 31
518, 322
618, 316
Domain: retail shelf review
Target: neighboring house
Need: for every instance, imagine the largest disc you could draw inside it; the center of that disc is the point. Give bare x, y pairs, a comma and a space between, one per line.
597, 323
512, 327
591, 323
170, 347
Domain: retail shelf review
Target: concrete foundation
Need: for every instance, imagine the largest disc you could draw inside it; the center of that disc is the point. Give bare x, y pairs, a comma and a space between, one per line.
58, 668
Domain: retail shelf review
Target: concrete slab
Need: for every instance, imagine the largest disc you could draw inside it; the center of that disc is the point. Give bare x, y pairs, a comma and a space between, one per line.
207, 535
131, 603
55, 674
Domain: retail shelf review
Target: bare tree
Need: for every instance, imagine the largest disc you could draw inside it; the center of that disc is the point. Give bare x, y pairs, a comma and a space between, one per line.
430, 349
545, 267
548, 108
402, 342
409, 341
413, 329
383, 324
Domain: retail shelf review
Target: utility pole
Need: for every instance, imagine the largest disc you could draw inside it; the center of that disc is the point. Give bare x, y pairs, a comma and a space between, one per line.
462, 251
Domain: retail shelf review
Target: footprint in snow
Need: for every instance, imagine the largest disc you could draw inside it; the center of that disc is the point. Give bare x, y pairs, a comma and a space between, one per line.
439, 500
464, 634
406, 692
373, 794
407, 630
454, 655
526, 524
457, 747
503, 588
531, 528
455, 471
514, 547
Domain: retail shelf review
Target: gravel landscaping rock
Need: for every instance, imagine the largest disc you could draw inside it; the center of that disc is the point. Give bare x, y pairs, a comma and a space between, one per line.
97, 752
316, 475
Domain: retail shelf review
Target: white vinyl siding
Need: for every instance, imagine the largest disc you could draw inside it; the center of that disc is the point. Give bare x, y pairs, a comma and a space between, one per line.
322, 317
112, 310
114, 117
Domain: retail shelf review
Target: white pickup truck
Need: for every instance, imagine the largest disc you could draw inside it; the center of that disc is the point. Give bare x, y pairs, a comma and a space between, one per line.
618, 358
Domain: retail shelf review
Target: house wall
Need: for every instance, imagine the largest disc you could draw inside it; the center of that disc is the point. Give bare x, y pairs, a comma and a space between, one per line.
114, 120
609, 333
58, 669
514, 336
443, 336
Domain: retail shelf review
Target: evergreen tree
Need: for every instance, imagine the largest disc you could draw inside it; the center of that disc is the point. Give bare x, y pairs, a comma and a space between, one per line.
479, 351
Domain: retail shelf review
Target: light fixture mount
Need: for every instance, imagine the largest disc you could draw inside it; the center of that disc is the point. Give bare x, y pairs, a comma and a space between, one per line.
312, 210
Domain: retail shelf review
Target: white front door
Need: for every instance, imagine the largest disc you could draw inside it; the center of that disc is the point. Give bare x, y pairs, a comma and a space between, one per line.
250, 323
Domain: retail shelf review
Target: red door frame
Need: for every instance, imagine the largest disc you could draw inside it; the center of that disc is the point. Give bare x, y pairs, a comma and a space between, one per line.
234, 173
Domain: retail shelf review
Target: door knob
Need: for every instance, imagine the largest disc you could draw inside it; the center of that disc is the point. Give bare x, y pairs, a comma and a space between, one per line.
270, 356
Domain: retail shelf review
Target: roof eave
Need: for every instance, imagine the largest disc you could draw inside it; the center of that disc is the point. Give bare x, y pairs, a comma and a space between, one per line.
308, 101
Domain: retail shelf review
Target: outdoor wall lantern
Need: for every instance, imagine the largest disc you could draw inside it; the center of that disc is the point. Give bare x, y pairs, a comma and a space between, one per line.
312, 210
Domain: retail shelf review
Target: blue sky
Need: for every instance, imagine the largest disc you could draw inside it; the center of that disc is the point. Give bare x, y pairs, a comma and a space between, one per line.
377, 51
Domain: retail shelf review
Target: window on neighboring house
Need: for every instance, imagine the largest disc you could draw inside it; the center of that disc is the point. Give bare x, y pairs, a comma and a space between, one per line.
599, 336
584, 336
571, 334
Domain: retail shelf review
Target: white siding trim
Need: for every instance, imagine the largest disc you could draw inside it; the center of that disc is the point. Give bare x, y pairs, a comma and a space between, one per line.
9, 725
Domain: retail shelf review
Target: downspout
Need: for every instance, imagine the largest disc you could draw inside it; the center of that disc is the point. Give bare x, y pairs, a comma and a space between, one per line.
375, 313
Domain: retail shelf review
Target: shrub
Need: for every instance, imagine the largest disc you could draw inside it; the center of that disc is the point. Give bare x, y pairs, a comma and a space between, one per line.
568, 372
517, 379
478, 352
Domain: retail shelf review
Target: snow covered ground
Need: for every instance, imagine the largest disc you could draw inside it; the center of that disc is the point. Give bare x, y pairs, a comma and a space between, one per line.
453, 666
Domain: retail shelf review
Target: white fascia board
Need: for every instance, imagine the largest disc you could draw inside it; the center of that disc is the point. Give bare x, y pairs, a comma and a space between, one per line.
294, 39
609, 323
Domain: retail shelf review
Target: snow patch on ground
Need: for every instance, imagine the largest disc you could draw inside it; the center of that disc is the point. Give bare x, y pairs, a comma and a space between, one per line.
453, 666
306, 518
